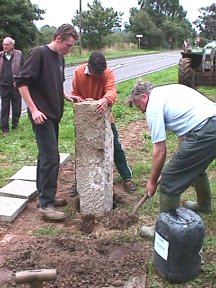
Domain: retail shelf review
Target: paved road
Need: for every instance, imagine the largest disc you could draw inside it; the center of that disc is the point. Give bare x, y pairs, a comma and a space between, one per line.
130, 67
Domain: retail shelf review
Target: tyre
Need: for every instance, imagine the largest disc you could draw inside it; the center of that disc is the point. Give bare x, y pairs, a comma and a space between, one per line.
185, 74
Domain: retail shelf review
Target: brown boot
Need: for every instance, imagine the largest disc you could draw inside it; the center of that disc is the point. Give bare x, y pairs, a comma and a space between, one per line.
59, 202
50, 213
73, 190
129, 186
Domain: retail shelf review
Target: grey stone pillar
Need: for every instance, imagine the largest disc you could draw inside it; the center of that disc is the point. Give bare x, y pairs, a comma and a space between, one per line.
93, 158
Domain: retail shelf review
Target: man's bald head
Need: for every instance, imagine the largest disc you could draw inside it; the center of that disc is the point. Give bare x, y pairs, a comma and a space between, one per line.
8, 40
8, 44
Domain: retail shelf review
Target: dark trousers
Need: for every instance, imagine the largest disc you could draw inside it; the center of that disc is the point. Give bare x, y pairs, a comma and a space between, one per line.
47, 161
9, 96
119, 156
191, 160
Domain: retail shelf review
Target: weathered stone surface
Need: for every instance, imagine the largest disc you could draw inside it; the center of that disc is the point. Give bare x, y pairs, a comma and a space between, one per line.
19, 189
94, 158
10, 207
25, 173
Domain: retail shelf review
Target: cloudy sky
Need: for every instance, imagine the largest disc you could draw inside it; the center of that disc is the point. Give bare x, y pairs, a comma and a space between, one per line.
59, 12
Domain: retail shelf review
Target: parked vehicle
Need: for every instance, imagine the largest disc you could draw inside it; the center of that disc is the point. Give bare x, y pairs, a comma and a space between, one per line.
198, 66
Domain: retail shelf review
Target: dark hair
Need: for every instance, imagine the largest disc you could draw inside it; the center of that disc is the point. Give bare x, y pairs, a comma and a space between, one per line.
66, 31
97, 63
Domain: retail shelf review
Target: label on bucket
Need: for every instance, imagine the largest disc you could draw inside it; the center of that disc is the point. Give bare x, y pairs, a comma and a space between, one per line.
161, 246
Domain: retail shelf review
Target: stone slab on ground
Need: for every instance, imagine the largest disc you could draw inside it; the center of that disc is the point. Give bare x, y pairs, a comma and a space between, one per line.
11, 207
29, 172
64, 157
19, 189
25, 173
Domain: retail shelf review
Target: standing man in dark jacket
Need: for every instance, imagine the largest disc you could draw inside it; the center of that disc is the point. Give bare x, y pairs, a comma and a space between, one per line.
10, 62
40, 82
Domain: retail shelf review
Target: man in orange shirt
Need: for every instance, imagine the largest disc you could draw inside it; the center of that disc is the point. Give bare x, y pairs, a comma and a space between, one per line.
96, 81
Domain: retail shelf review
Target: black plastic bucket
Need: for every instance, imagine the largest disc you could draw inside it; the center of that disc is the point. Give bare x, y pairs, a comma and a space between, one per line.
179, 236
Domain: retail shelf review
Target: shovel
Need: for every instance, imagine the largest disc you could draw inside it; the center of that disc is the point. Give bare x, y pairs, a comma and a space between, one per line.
143, 199
140, 203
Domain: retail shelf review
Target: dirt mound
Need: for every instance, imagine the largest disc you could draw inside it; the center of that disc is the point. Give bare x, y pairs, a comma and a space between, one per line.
85, 263
121, 219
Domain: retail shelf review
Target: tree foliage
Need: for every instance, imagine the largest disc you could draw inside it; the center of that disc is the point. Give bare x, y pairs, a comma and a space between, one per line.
160, 10
45, 34
162, 23
96, 23
142, 24
206, 22
17, 20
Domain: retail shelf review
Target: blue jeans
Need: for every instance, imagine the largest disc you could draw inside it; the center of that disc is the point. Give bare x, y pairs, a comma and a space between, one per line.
46, 135
119, 156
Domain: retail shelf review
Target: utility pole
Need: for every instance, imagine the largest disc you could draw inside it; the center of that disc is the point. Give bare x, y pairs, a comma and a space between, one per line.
80, 27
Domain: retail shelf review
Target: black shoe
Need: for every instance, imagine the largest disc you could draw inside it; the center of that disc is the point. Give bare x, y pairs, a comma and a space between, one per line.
14, 126
73, 191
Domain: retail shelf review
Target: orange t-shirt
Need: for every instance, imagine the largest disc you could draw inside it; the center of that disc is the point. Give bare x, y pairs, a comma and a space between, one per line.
87, 86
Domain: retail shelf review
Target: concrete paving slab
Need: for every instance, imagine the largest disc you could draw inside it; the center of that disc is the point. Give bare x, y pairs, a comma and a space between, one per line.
10, 208
25, 173
64, 157
20, 189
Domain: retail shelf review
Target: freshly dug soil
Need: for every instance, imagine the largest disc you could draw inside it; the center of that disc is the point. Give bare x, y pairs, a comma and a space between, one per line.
80, 263
88, 251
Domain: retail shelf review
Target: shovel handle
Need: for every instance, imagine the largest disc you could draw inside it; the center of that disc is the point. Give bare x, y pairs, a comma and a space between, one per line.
141, 202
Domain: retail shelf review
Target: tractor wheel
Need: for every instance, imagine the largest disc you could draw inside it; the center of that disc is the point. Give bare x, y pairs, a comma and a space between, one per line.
185, 74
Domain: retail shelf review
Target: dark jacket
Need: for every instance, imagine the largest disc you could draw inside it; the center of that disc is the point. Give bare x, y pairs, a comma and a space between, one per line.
43, 73
17, 60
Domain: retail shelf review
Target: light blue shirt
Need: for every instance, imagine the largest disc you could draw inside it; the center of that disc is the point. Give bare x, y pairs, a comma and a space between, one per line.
177, 108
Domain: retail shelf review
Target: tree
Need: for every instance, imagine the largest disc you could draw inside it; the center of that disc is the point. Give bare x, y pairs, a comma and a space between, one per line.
45, 34
206, 22
174, 34
141, 23
17, 20
163, 9
96, 23
165, 23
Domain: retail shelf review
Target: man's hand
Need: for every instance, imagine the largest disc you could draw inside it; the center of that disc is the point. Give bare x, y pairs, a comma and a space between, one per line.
151, 187
102, 105
72, 98
38, 117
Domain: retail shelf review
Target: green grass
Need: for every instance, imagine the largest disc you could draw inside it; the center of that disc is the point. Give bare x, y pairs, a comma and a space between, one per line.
49, 230
19, 148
